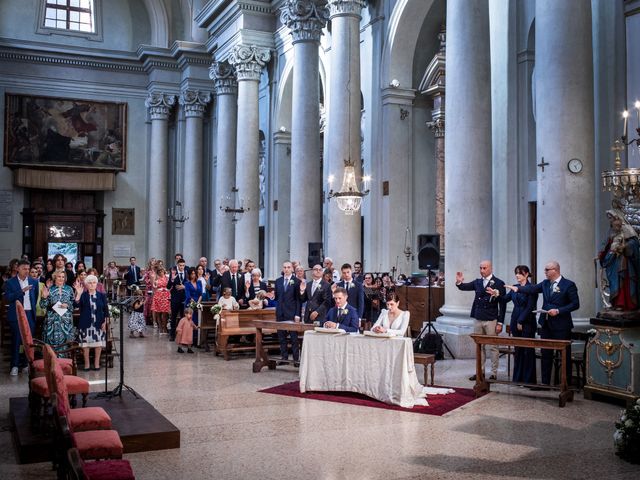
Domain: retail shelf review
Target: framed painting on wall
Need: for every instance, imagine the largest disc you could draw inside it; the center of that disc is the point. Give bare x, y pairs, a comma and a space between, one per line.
52, 133
123, 221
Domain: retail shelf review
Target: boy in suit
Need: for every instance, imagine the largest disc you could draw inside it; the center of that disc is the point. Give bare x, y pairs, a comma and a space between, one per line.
288, 309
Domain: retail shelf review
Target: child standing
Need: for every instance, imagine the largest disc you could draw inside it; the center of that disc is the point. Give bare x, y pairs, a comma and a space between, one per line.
137, 322
227, 302
184, 331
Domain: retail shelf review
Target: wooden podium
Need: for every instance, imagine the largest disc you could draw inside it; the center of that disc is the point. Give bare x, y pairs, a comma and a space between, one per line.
415, 300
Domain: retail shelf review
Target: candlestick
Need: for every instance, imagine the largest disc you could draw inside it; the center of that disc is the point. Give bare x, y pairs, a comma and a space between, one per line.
625, 115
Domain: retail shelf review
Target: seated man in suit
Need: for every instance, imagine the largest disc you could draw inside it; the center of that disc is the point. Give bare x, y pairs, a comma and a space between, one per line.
343, 315
317, 294
559, 299
287, 310
355, 292
487, 311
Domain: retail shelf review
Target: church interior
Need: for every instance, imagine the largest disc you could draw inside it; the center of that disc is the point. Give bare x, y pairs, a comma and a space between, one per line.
415, 151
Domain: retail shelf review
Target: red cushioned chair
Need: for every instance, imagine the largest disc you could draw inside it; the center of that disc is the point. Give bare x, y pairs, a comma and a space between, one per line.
102, 470
80, 419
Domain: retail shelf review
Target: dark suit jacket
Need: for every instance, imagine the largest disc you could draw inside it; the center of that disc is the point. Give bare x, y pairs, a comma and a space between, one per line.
177, 296
129, 276
565, 300
349, 322
523, 307
13, 293
321, 301
288, 300
102, 309
225, 282
355, 297
486, 307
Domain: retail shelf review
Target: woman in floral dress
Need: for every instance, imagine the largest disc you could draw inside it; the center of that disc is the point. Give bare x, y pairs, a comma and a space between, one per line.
148, 279
161, 305
58, 329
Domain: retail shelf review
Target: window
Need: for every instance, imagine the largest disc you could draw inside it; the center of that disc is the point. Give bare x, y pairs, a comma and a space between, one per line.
74, 15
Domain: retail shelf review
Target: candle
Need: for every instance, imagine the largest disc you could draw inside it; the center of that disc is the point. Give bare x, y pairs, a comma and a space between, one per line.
637, 105
625, 115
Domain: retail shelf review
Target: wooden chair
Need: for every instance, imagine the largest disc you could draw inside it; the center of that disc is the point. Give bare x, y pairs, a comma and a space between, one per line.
578, 358
426, 359
104, 469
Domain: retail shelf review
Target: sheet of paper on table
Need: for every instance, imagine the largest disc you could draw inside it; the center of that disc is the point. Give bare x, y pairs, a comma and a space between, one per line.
369, 333
329, 330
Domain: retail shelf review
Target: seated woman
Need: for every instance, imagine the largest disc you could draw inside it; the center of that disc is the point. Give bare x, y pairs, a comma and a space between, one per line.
392, 320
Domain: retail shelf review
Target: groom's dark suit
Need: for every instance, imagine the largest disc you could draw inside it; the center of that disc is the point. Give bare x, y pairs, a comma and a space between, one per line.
320, 301
564, 297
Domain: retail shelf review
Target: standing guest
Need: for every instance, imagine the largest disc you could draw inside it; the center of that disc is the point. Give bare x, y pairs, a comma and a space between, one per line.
487, 310
57, 301
327, 276
100, 287
176, 287
523, 324
193, 293
559, 299
161, 306
37, 275
256, 285
10, 272
288, 309
216, 274
80, 267
71, 274
39, 270
58, 264
355, 294
137, 323
317, 295
111, 273
343, 315
186, 331
387, 285
372, 299
48, 270
133, 275
392, 320
227, 302
249, 265
234, 280
328, 264
148, 279
92, 327
204, 262
176, 258
203, 281
24, 289
358, 276
299, 271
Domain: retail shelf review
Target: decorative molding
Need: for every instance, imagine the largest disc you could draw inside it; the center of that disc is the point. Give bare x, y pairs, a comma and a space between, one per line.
160, 105
224, 78
46, 58
248, 61
194, 102
346, 8
305, 18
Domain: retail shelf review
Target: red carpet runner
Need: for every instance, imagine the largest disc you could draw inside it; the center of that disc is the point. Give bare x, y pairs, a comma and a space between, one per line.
438, 404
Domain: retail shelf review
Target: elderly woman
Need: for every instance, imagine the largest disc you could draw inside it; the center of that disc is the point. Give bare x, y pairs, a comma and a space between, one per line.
392, 320
57, 301
94, 312
256, 285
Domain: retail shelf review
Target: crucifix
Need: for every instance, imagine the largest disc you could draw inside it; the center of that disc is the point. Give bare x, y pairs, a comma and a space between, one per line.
159, 220
543, 164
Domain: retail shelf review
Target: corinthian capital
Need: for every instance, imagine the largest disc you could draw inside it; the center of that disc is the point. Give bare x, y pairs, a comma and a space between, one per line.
224, 78
194, 102
346, 7
159, 105
305, 18
248, 61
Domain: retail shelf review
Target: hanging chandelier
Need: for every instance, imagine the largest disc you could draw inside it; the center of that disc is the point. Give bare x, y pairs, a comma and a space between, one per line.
349, 198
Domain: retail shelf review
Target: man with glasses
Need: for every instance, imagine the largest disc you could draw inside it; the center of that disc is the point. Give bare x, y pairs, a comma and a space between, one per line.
559, 299
317, 294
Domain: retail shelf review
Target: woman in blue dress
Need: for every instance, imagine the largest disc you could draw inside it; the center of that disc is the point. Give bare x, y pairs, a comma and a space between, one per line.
58, 324
523, 324
193, 292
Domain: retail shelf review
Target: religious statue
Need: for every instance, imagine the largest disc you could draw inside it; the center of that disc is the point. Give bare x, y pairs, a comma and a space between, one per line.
620, 262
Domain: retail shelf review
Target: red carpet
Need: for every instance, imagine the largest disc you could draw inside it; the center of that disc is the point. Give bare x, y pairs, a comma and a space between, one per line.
438, 404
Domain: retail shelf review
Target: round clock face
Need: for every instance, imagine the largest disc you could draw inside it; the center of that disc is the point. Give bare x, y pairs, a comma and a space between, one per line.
575, 165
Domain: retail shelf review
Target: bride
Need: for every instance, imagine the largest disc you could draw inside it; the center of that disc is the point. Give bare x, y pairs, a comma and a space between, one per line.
395, 321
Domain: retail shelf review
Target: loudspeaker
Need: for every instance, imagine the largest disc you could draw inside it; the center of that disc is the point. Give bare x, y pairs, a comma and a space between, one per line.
429, 251
316, 256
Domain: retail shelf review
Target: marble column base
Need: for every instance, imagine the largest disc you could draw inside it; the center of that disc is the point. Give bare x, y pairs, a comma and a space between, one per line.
455, 333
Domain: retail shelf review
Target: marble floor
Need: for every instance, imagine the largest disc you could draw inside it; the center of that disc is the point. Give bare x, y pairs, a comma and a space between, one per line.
229, 431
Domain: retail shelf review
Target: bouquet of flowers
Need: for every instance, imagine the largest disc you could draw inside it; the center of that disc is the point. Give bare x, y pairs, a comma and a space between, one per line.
627, 435
215, 311
117, 283
135, 289
114, 312
193, 305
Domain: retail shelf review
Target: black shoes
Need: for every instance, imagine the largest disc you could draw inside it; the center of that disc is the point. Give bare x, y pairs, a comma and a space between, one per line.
190, 351
472, 378
296, 364
180, 350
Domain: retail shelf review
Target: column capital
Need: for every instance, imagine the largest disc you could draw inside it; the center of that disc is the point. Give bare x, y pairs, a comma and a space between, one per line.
437, 125
248, 61
346, 8
159, 105
194, 102
305, 18
224, 78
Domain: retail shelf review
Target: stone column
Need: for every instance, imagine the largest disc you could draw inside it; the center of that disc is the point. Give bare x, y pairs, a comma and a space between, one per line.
248, 62
306, 19
226, 89
565, 130
194, 102
343, 231
159, 105
468, 205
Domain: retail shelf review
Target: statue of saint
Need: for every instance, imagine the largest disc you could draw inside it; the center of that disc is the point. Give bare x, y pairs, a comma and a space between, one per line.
620, 261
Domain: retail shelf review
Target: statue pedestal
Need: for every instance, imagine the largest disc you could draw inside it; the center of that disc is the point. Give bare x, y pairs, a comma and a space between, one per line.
613, 356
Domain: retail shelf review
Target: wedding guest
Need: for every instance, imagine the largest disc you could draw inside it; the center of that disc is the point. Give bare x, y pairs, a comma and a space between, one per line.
186, 331
203, 281
328, 264
57, 301
372, 299
193, 294
148, 279
39, 270
392, 320
227, 301
49, 268
355, 294
288, 309
10, 272
176, 286
100, 287
358, 276
300, 273
343, 315
256, 285
133, 275
80, 267
161, 303
327, 276
317, 295
92, 327
111, 273
234, 280
137, 323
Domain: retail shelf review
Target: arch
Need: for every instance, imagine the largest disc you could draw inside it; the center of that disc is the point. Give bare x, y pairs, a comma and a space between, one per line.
159, 19
405, 24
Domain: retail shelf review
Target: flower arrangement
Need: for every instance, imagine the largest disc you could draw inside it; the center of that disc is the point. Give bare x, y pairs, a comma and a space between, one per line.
135, 289
556, 288
114, 312
215, 311
117, 283
626, 438
291, 282
193, 305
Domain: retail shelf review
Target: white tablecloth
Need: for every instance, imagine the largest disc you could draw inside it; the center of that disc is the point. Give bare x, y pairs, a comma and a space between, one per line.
381, 368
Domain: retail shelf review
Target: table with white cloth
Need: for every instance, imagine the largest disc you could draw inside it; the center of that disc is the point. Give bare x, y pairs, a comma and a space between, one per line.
381, 368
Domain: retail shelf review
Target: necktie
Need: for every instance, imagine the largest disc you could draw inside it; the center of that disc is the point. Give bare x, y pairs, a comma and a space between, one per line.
484, 282
348, 285
181, 279
286, 283
313, 288
135, 277
235, 285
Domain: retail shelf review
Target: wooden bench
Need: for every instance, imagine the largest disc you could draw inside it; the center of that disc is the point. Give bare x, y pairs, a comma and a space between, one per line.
426, 359
238, 323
